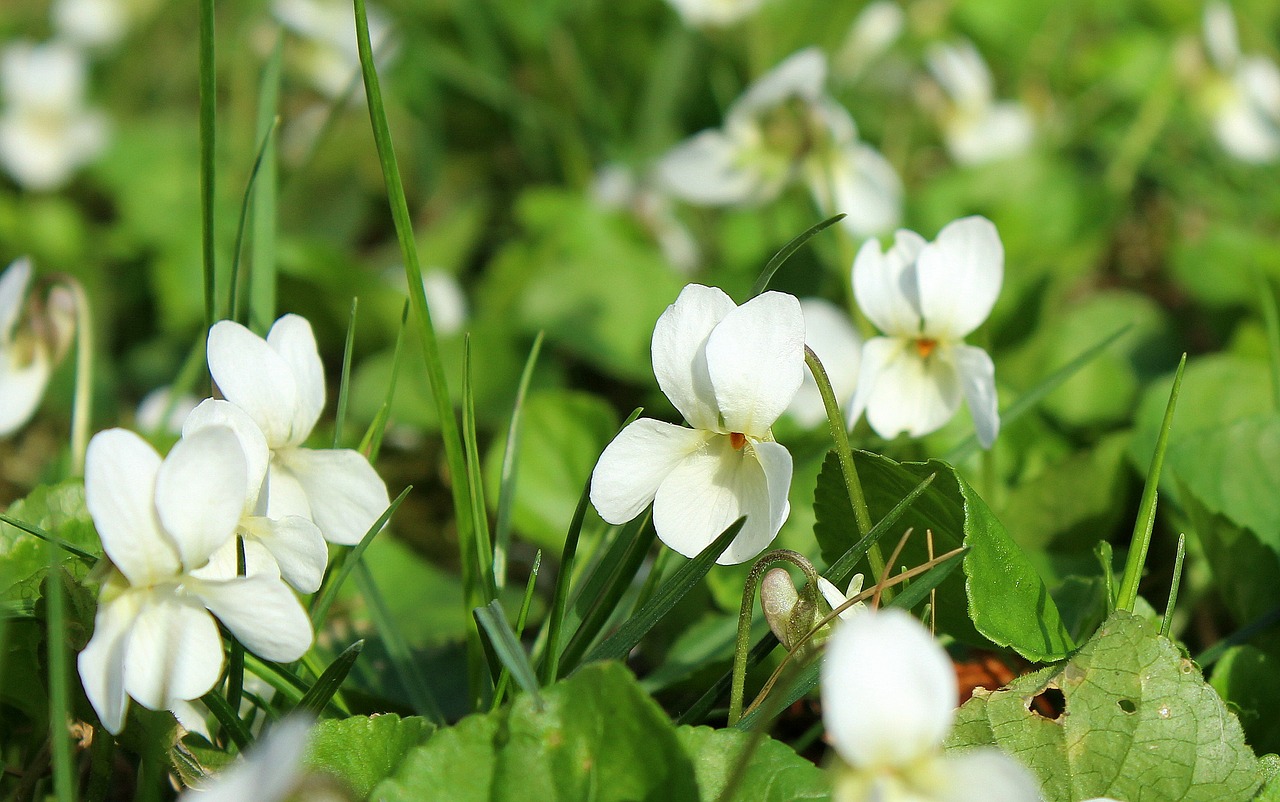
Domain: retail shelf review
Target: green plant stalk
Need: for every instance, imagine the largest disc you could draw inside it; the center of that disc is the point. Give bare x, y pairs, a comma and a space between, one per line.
1146, 521
745, 613
227, 717
325, 597
835, 421
261, 308
344, 384
82, 406
35, 531
549, 668
506, 645
401, 660
59, 705
1167, 621
208, 103
317, 697
787, 251
371, 443
236, 313
1142, 134
484, 556
430, 347
504, 679
507, 482
1271, 317
235, 665
102, 752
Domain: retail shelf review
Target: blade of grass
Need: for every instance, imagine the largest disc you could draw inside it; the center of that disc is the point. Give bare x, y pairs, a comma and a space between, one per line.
315, 700
787, 251
1037, 393
234, 290
1173, 585
430, 347
507, 482
424, 703
621, 642
508, 648
344, 384
371, 443
260, 309
505, 677
487, 587
604, 606
35, 531
208, 104
324, 599
1245, 634
59, 705
227, 718
1137, 557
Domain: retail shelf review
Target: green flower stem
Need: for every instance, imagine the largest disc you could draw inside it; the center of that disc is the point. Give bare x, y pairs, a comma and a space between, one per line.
1147, 507
208, 101
1167, 621
835, 420
82, 406
59, 705
743, 643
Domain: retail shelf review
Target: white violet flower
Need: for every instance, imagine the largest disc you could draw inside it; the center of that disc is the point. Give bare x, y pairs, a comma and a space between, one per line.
326, 29
155, 638
34, 336
927, 297
272, 771
91, 24
1243, 98
977, 128
829, 332
715, 13
46, 132
876, 28
835, 598
279, 382
731, 371
784, 127
889, 696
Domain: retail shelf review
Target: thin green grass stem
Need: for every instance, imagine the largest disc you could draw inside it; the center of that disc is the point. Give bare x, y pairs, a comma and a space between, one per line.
504, 679
1167, 621
371, 443
507, 481
402, 661
208, 105
234, 289
82, 405
64, 786
1146, 521
1271, 318
260, 308
475, 483
344, 384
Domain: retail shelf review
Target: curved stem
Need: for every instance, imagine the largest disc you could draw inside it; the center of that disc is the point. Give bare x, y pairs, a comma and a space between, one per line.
82, 405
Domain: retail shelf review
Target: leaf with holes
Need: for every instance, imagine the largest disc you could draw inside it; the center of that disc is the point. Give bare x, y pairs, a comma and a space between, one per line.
1138, 722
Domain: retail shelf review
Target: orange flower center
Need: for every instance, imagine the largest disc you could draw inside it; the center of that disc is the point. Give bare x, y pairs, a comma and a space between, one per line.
737, 440
925, 346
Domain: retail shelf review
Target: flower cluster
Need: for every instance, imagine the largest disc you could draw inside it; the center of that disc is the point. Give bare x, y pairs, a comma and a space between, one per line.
975, 127
171, 526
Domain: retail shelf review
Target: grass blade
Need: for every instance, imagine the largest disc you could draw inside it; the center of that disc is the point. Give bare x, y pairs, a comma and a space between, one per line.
507, 482
621, 642
840, 570
418, 300
325, 598
1244, 634
35, 531
1167, 621
371, 443
1146, 521
481, 547
315, 700
1271, 319
260, 307
1037, 393
402, 662
787, 252
227, 717
505, 677
208, 105
344, 383
234, 290
508, 648
64, 785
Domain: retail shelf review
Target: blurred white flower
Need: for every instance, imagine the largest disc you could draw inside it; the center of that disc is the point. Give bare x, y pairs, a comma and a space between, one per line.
715, 13
445, 297
975, 126
785, 127
159, 411
831, 335
731, 371
873, 32
327, 32
25, 359
889, 695
1243, 98
926, 298
835, 598
46, 132
616, 187
279, 383
272, 771
155, 638
90, 24
288, 545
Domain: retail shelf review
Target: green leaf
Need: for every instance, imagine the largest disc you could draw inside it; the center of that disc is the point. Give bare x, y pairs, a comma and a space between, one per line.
598, 737
1246, 678
1234, 471
775, 772
1139, 722
1003, 595
58, 510
363, 751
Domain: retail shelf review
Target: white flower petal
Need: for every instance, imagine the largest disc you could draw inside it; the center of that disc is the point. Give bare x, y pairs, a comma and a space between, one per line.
344, 493
858, 181
831, 335
119, 488
261, 612
835, 598
635, 464
102, 662
225, 562
988, 775
885, 284
191, 717
755, 358
200, 492
1001, 131
216, 412
285, 495
254, 377
679, 352
801, 75
1220, 35
706, 493
291, 337
21, 387
776, 463
961, 73
269, 772
888, 691
708, 169
296, 545
174, 651
13, 289
978, 379
909, 394
959, 276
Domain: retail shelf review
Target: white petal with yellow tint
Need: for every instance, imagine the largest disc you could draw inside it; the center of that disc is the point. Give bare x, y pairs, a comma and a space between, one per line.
635, 464
755, 358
